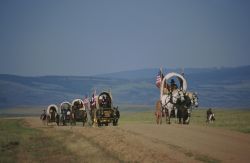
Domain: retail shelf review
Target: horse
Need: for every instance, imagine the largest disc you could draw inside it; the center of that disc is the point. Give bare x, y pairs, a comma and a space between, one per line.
116, 115
93, 114
43, 118
193, 98
158, 112
84, 117
191, 103
168, 106
210, 116
178, 101
174, 102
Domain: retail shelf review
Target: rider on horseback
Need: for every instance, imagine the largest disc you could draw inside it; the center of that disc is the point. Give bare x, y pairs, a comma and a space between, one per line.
210, 116
43, 115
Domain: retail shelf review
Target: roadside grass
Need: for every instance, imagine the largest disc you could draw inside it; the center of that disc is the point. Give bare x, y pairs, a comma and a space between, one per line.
233, 119
137, 117
206, 159
19, 143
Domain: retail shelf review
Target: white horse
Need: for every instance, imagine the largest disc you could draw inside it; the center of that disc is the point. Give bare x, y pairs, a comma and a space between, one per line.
172, 102
191, 103
167, 106
194, 99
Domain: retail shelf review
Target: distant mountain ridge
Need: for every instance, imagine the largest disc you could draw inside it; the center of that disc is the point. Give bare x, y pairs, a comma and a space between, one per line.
148, 73
217, 87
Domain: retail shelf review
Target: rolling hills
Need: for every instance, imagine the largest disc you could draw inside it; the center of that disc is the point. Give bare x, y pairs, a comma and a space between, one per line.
217, 87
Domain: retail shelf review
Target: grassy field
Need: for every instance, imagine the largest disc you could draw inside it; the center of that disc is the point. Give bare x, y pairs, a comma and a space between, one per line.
238, 120
19, 143
234, 119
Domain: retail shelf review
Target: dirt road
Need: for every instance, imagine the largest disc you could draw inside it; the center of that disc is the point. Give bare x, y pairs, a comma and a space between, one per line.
154, 143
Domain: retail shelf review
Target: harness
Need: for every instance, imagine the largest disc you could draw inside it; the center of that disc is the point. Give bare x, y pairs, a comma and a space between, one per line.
171, 99
178, 101
167, 102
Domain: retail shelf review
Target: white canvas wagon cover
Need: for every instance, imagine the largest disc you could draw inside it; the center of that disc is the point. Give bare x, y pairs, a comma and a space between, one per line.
65, 105
52, 106
182, 81
78, 102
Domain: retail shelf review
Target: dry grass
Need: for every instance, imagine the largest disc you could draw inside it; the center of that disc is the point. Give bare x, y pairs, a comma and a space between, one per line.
32, 142
19, 143
233, 119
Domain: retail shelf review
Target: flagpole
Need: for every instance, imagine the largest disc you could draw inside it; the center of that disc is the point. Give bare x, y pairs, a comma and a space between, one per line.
161, 69
182, 71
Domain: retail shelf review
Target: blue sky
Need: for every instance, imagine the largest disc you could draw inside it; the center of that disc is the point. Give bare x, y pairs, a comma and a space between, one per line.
80, 37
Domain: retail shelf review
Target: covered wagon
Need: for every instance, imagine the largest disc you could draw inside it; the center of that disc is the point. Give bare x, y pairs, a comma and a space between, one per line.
105, 111
173, 96
52, 114
79, 113
65, 109
164, 89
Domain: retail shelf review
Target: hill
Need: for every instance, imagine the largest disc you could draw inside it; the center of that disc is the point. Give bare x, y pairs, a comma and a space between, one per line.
217, 87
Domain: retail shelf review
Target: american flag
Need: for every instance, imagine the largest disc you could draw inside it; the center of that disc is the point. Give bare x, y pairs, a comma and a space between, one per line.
92, 100
86, 100
159, 79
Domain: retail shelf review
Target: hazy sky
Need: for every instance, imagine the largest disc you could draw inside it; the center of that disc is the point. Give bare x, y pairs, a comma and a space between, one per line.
71, 37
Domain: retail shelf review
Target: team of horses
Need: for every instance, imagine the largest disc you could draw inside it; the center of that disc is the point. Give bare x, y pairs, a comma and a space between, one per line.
176, 104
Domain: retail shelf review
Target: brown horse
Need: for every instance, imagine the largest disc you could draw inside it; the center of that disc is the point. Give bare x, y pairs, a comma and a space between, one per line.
158, 112
85, 117
93, 114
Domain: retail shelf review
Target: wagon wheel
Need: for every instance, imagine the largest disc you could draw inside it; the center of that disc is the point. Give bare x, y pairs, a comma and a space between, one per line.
99, 123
